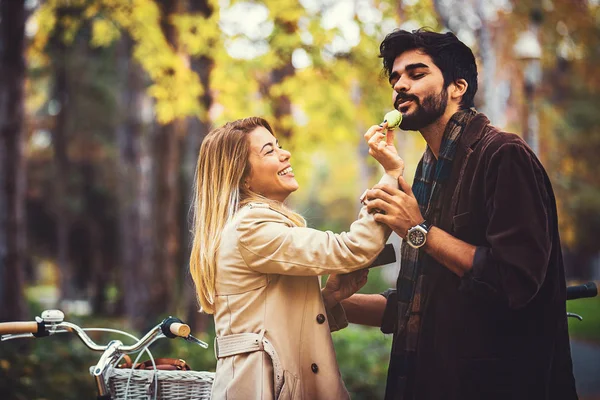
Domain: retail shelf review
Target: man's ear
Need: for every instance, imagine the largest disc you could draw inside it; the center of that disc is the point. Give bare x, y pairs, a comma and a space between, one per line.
459, 87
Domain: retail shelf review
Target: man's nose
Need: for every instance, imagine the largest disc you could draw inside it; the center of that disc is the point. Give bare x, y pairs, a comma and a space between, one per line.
401, 85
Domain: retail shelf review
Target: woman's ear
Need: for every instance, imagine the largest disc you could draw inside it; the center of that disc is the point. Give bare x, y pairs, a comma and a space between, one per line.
459, 87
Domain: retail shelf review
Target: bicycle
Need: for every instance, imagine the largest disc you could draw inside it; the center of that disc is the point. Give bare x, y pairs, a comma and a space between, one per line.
115, 383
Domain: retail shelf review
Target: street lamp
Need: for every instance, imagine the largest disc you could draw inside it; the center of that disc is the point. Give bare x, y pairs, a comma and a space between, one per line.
527, 48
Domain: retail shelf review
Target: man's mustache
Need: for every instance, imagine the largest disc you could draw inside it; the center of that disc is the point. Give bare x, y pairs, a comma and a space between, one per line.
401, 98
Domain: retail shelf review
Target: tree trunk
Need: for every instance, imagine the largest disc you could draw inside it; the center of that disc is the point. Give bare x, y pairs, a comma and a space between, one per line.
135, 166
168, 156
95, 255
12, 162
281, 105
61, 165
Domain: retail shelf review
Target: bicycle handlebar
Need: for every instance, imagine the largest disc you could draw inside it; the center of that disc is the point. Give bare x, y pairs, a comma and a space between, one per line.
582, 291
51, 322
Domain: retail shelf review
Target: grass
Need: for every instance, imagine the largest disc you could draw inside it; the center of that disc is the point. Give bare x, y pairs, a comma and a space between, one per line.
589, 328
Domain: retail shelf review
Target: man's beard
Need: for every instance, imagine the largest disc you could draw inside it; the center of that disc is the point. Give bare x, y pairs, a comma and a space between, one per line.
432, 108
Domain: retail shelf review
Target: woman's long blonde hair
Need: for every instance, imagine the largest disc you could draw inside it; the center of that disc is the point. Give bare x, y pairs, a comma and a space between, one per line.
219, 192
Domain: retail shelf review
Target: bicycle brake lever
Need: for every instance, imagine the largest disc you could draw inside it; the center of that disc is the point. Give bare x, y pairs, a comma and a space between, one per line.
197, 341
576, 316
4, 338
30, 335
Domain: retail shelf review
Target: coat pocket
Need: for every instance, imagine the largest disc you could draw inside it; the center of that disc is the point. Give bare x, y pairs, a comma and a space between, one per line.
461, 220
288, 390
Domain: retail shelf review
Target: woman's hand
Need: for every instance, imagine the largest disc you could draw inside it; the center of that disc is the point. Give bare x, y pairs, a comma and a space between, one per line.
381, 147
342, 286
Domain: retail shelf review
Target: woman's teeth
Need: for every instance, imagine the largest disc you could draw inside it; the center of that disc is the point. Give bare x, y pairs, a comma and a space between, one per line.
285, 171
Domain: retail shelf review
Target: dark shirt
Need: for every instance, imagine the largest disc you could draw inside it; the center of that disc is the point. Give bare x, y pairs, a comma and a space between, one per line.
500, 331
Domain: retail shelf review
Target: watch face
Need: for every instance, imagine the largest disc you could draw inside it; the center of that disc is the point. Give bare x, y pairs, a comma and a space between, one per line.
416, 237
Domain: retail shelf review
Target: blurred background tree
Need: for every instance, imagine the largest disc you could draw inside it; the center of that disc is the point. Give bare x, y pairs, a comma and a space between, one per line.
104, 105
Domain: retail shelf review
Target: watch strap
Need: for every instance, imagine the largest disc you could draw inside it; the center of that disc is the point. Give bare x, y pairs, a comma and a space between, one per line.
426, 225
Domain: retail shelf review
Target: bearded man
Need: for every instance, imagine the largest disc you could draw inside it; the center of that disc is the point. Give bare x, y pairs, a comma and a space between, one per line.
479, 307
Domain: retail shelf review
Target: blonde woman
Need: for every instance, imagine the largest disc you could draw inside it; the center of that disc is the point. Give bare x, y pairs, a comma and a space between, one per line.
255, 265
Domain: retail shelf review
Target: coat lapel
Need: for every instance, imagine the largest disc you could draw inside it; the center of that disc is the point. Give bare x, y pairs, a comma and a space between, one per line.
467, 142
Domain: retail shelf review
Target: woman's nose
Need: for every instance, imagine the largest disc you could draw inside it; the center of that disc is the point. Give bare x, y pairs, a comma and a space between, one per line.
284, 155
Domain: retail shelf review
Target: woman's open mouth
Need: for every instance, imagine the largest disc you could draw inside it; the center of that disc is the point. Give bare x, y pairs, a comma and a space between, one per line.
285, 171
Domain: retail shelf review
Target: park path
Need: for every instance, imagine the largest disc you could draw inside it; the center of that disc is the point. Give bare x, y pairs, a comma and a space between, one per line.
586, 367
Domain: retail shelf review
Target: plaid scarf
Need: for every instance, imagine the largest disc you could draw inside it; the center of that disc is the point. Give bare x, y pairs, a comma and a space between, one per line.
430, 177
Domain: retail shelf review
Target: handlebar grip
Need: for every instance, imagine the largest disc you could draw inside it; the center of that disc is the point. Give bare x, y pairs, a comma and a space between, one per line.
18, 327
173, 327
582, 291
180, 329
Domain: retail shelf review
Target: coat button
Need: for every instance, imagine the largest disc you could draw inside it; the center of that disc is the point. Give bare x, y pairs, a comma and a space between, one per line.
320, 318
315, 368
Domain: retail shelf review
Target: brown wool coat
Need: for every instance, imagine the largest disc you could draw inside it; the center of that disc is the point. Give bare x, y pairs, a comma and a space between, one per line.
267, 279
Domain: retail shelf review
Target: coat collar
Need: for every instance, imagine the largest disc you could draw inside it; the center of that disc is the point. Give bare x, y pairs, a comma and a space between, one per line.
473, 132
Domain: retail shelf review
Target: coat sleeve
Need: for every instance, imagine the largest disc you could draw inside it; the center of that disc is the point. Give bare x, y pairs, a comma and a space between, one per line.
270, 244
519, 230
336, 316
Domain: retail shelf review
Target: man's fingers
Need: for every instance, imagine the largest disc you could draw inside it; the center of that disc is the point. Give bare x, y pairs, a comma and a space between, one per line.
404, 186
392, 191
378, 206
380, 194
383, 219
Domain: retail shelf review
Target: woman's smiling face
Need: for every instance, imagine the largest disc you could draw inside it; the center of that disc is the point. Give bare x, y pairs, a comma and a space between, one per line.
270, 170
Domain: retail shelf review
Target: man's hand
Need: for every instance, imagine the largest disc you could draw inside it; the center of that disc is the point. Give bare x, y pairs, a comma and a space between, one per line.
396, 208
342, 286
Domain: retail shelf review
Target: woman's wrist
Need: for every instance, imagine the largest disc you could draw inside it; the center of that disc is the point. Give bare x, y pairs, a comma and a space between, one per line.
396, 173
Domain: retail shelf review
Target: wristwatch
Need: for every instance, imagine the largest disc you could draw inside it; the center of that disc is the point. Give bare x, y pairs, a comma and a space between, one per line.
417, 235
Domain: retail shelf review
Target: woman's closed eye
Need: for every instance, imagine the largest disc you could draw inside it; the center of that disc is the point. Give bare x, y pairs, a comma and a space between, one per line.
271, 149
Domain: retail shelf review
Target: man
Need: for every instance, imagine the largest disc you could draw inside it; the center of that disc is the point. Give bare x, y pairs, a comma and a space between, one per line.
479, 307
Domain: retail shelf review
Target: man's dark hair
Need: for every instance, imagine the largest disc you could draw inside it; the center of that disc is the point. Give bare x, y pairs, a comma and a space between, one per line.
450, 55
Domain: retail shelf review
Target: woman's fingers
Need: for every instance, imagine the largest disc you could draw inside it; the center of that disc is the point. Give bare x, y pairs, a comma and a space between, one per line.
375, 140
372, 131
389, 137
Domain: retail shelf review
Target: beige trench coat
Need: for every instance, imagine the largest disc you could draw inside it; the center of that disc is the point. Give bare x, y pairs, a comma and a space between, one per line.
267, 281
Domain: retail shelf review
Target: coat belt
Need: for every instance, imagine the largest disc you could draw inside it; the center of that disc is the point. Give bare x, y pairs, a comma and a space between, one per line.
241, 343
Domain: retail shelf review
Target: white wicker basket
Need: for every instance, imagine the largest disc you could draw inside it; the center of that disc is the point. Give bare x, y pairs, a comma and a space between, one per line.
172, 385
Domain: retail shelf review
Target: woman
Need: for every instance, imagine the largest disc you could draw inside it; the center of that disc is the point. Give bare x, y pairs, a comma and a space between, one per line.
256, 266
